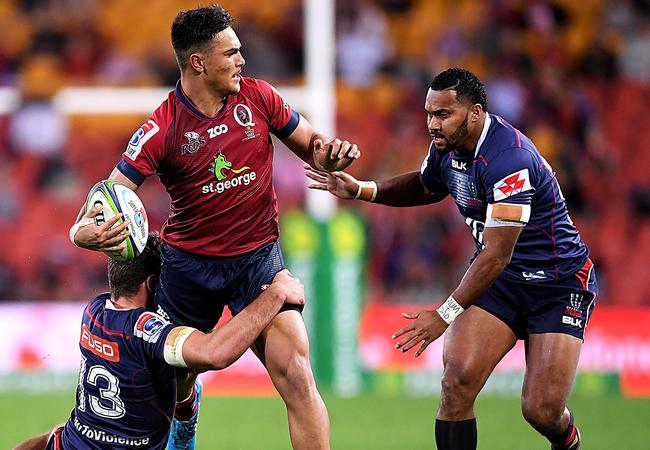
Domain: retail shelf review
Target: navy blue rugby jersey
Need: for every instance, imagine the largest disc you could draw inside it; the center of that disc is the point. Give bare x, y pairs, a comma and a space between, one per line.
507, 168
126, 392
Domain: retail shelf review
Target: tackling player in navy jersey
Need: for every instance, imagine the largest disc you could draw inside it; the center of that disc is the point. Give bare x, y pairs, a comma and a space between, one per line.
531, 278
127, 391
210, 144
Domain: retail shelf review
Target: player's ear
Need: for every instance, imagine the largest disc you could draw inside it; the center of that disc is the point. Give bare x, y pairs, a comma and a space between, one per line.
197, 62
151, 284
476, 112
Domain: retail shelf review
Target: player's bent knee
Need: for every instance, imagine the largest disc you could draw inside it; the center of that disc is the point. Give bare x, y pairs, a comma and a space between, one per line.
541, 413
460, 381
296, 376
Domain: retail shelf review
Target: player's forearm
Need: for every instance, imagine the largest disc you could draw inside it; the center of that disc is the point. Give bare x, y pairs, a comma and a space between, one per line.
405, 190
224, 345
481, 274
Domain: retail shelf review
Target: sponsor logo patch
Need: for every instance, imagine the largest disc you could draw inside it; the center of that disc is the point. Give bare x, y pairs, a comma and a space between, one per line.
101, 347
194, 142
572, 313
513, 184
149, 327
539, 275
140, 137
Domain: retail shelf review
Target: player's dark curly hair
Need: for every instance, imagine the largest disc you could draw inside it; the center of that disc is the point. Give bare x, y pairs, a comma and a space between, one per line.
125, 277
465, 83
193, 29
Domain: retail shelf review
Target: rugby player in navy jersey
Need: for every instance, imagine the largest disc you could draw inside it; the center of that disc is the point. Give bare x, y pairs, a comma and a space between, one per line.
531, 278
210, 144
127, 391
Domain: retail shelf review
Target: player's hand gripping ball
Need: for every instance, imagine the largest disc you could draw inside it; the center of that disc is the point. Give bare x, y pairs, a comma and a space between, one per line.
116, 198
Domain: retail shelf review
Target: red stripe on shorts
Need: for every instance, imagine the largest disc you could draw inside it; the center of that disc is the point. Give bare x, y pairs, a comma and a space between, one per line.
584, 273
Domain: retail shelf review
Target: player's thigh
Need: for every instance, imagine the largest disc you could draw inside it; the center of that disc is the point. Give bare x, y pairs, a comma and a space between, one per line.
551, 362
474, 344
283, 347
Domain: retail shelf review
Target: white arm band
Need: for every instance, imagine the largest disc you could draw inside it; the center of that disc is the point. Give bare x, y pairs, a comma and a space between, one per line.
449, 310
74, 228
367, 191
174, 351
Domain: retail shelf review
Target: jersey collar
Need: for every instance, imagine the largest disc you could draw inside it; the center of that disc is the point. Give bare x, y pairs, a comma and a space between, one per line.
486, 127
189, 104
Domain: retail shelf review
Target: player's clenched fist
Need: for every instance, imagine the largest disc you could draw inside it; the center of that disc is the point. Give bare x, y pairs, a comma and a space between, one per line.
334, 155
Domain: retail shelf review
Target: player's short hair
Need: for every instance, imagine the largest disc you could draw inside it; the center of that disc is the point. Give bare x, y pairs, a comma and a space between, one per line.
193, 29
467, 85
125, 277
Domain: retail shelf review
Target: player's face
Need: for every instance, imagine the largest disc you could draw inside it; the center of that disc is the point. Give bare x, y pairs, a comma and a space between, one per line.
223, 63
447, 120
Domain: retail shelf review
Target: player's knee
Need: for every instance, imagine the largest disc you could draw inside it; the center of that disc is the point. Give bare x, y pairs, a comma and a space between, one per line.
542, 413
296, 375
459, 388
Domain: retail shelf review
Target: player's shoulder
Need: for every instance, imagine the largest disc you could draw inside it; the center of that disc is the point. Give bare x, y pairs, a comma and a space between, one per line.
255, 88
505, 144
147, 325
97, 305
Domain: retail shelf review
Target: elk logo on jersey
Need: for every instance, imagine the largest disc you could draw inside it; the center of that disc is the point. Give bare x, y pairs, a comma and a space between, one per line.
513, 184
221, 164
194, 142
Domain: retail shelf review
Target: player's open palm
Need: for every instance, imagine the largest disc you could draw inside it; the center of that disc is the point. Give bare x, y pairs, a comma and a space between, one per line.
427, 326
341, 184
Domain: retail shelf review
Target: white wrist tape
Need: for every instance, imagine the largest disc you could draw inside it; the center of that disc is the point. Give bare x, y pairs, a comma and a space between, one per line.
449, 310
74, 228
174, 350
367, 191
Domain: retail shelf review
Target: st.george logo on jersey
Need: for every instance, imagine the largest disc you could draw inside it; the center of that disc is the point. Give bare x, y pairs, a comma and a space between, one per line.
149, 326
513, 184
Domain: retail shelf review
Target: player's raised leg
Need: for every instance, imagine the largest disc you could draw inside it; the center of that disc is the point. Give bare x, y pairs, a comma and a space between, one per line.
283, 347
182, 435
552, 359
474, 343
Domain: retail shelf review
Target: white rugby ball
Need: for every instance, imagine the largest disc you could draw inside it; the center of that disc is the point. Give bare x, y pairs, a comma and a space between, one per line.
115, 198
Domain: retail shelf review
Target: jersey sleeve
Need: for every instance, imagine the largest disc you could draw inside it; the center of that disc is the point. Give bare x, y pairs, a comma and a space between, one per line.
431, 173
283, 120
145, 149
510, 182
150, 331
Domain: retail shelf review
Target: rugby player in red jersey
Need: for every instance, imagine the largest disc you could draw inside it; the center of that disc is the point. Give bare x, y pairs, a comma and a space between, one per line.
210, 144
126, 392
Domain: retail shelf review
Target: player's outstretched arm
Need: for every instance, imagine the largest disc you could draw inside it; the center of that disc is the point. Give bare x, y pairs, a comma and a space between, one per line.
402, 190
320, 152
85, 234
429, 325
224, 345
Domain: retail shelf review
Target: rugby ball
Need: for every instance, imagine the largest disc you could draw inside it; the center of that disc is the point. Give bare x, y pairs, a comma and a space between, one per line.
115, 198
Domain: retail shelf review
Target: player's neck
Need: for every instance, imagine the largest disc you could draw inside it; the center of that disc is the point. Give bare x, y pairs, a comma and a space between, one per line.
203, 98
129, 302
468, 148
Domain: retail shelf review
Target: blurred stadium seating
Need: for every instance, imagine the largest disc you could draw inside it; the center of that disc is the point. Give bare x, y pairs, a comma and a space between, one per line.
573, 75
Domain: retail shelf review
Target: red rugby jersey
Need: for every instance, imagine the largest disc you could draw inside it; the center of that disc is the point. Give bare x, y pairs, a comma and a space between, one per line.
217, 170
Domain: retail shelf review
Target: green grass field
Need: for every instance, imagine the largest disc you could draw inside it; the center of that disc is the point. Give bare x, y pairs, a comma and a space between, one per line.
606, 423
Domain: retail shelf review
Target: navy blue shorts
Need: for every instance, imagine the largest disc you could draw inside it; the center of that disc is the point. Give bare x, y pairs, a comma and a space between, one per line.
193, 290
562, 307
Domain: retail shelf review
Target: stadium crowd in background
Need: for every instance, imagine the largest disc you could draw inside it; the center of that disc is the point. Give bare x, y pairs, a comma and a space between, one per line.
572, 75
